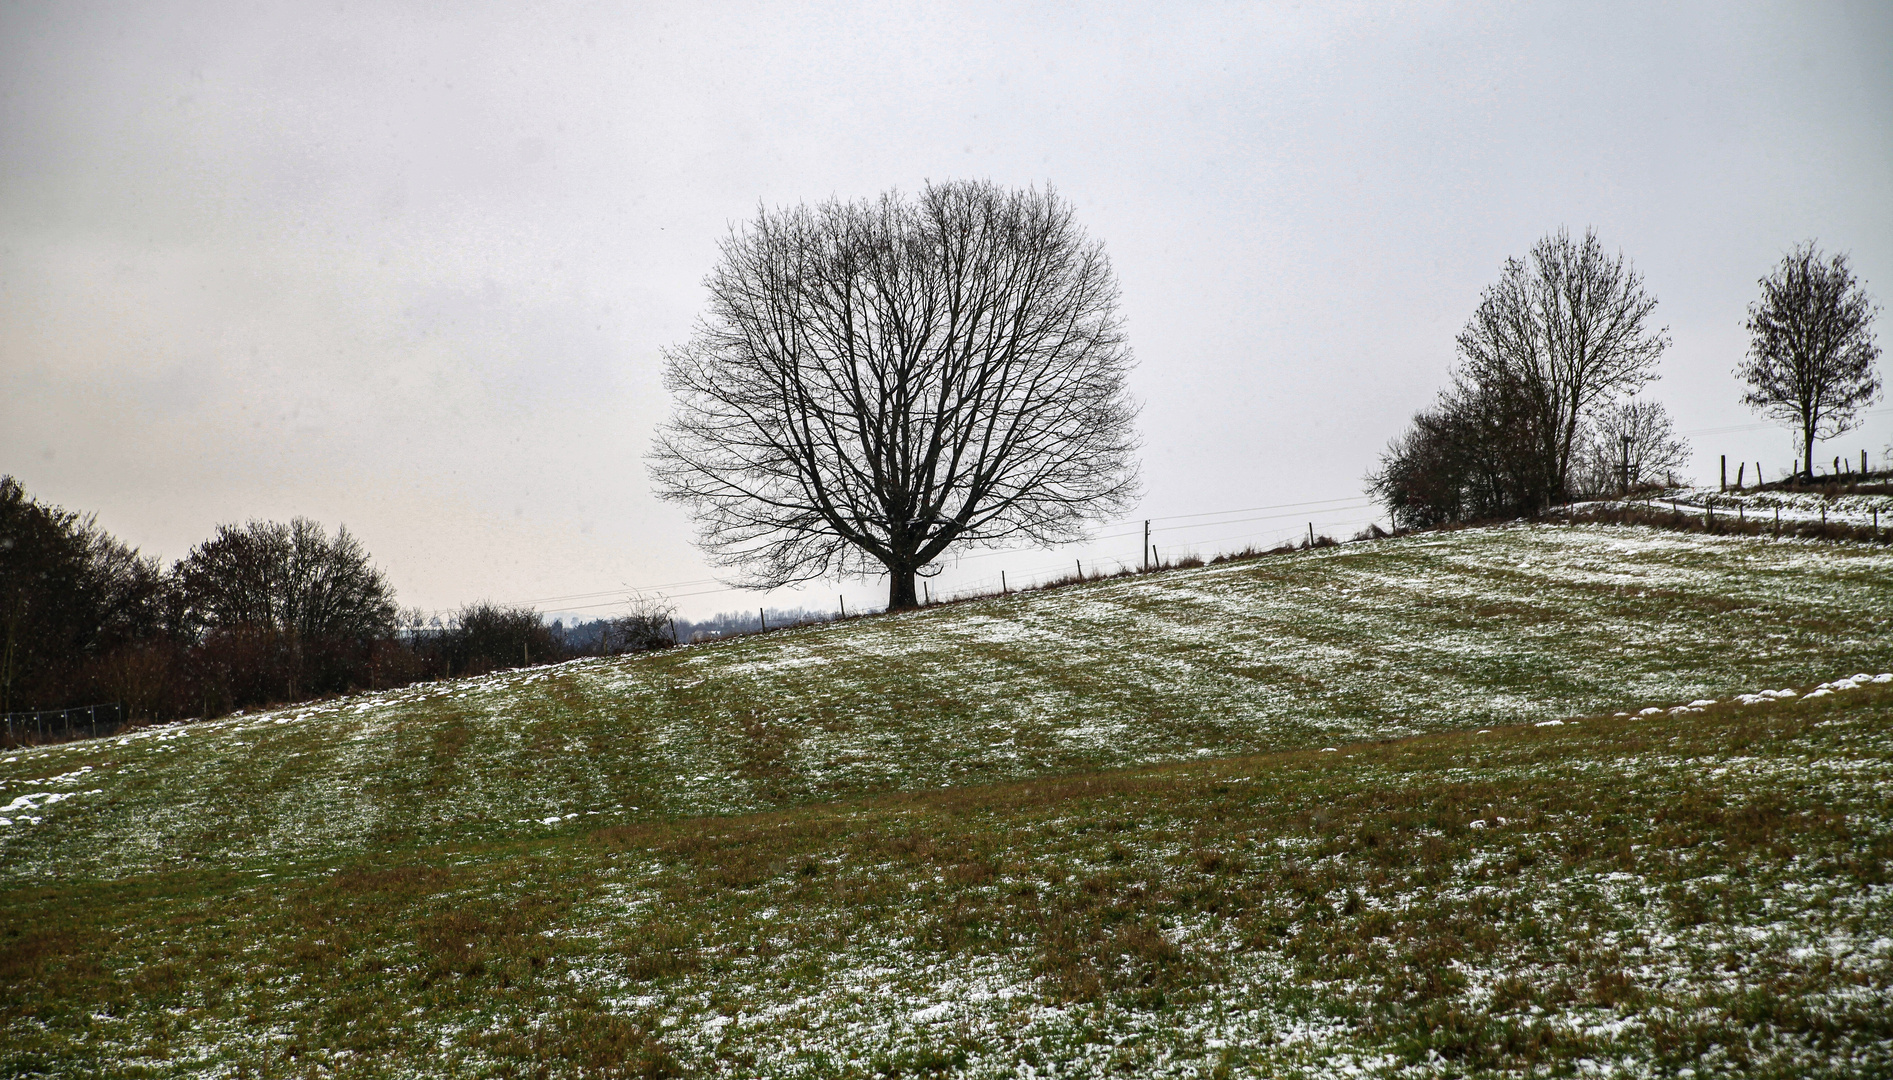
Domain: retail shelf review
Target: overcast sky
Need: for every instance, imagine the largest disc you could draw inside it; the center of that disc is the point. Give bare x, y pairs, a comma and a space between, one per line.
412, 267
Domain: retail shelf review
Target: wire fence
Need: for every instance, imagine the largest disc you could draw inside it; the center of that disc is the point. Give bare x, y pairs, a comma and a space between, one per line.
61, 725
1182, 535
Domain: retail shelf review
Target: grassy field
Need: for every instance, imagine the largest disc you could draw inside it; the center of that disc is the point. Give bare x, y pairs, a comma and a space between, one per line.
1077, 831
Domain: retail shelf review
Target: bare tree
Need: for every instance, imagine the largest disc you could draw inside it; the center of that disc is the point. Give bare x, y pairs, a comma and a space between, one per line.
1636, 432
487, 637
1811, 350
649, 623
1567, 327
287, 599
877, 381
289, 578
1471, 456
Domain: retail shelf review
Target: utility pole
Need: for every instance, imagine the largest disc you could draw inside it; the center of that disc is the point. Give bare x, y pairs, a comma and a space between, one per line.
1146, 543
1725, 472
1626, 464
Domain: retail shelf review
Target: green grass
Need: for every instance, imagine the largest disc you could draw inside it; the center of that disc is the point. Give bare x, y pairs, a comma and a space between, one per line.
1707, 890
987, 840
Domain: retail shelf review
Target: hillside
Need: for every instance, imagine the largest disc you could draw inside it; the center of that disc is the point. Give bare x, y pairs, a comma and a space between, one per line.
951, 839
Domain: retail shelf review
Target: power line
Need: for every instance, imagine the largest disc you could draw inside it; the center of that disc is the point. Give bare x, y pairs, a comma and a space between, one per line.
1356, 502
1254, 509
1359, 504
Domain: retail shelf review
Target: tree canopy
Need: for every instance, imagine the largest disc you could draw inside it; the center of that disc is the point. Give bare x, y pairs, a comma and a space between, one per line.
1566, 329
878, 381
1811, 350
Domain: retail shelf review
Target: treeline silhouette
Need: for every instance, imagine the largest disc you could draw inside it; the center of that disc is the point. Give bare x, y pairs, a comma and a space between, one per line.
263, 612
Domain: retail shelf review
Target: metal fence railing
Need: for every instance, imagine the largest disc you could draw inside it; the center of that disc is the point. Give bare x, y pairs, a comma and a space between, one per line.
44, 725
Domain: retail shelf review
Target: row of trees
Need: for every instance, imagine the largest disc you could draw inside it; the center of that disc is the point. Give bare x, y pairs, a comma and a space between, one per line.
878, 383
261, 612
1543, 405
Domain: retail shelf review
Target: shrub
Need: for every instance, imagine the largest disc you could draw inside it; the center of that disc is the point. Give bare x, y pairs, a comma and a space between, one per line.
649, 626
486, 637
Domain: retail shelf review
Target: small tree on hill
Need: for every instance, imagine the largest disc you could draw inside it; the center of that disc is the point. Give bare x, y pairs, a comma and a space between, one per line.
1811, 350
1638, 432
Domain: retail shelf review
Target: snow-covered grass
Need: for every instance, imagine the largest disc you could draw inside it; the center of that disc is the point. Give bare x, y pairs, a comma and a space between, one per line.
1366, 641
1792, 505
1049, 834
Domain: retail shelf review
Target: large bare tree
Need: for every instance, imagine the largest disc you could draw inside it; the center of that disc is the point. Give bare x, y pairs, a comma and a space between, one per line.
877, 381
1811, 350
1567, 329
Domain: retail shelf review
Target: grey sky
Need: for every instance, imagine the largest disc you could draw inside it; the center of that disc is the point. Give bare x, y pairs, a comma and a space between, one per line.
411, 267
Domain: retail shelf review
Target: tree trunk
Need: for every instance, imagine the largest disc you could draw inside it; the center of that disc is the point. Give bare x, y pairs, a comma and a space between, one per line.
1807, 445
900, 589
